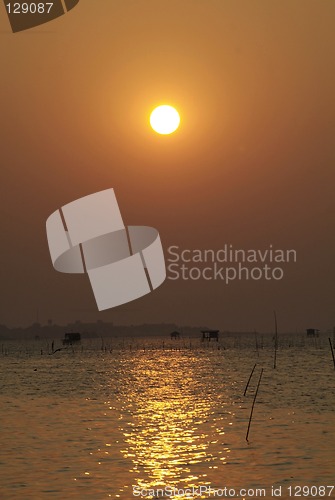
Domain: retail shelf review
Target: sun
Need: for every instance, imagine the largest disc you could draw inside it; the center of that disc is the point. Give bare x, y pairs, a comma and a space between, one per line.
164, 119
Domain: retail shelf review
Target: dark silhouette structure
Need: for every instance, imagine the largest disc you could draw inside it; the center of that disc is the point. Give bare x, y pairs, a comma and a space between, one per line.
175, 335
209, 335
71, 338
312, 332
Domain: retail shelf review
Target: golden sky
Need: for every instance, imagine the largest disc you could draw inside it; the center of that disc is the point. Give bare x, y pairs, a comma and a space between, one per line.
251, 165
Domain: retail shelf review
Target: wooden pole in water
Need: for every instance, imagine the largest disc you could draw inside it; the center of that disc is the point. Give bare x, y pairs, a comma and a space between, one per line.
256, 342
332, 350
246, 387
276, 341
253, 404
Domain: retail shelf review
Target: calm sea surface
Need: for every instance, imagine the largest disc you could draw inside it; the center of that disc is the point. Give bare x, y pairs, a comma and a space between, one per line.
139, 418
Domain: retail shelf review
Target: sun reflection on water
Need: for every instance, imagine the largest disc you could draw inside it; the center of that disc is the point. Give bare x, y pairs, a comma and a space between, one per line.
172, 428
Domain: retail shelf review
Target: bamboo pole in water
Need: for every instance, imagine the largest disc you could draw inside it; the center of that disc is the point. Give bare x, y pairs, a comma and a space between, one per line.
276, 341
246, 387
256, 342
332, 350
253, 404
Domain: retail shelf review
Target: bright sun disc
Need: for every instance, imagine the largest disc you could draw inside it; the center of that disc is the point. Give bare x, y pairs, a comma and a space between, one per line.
164, 119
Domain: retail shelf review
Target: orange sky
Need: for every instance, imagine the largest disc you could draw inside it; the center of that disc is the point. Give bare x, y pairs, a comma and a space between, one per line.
251, 165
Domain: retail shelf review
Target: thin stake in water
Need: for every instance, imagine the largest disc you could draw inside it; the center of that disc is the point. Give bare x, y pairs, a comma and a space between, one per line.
256, 342
332, 350
246, 387
253, 404
276, 341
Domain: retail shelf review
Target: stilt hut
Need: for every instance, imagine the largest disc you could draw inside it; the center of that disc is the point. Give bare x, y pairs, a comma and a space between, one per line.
210, 335
312, 332
71, 338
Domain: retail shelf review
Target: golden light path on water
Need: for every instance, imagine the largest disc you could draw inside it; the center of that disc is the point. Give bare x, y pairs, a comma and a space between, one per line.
174, 425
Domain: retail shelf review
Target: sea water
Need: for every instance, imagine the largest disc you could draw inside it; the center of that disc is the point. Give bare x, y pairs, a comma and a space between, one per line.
154, 418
